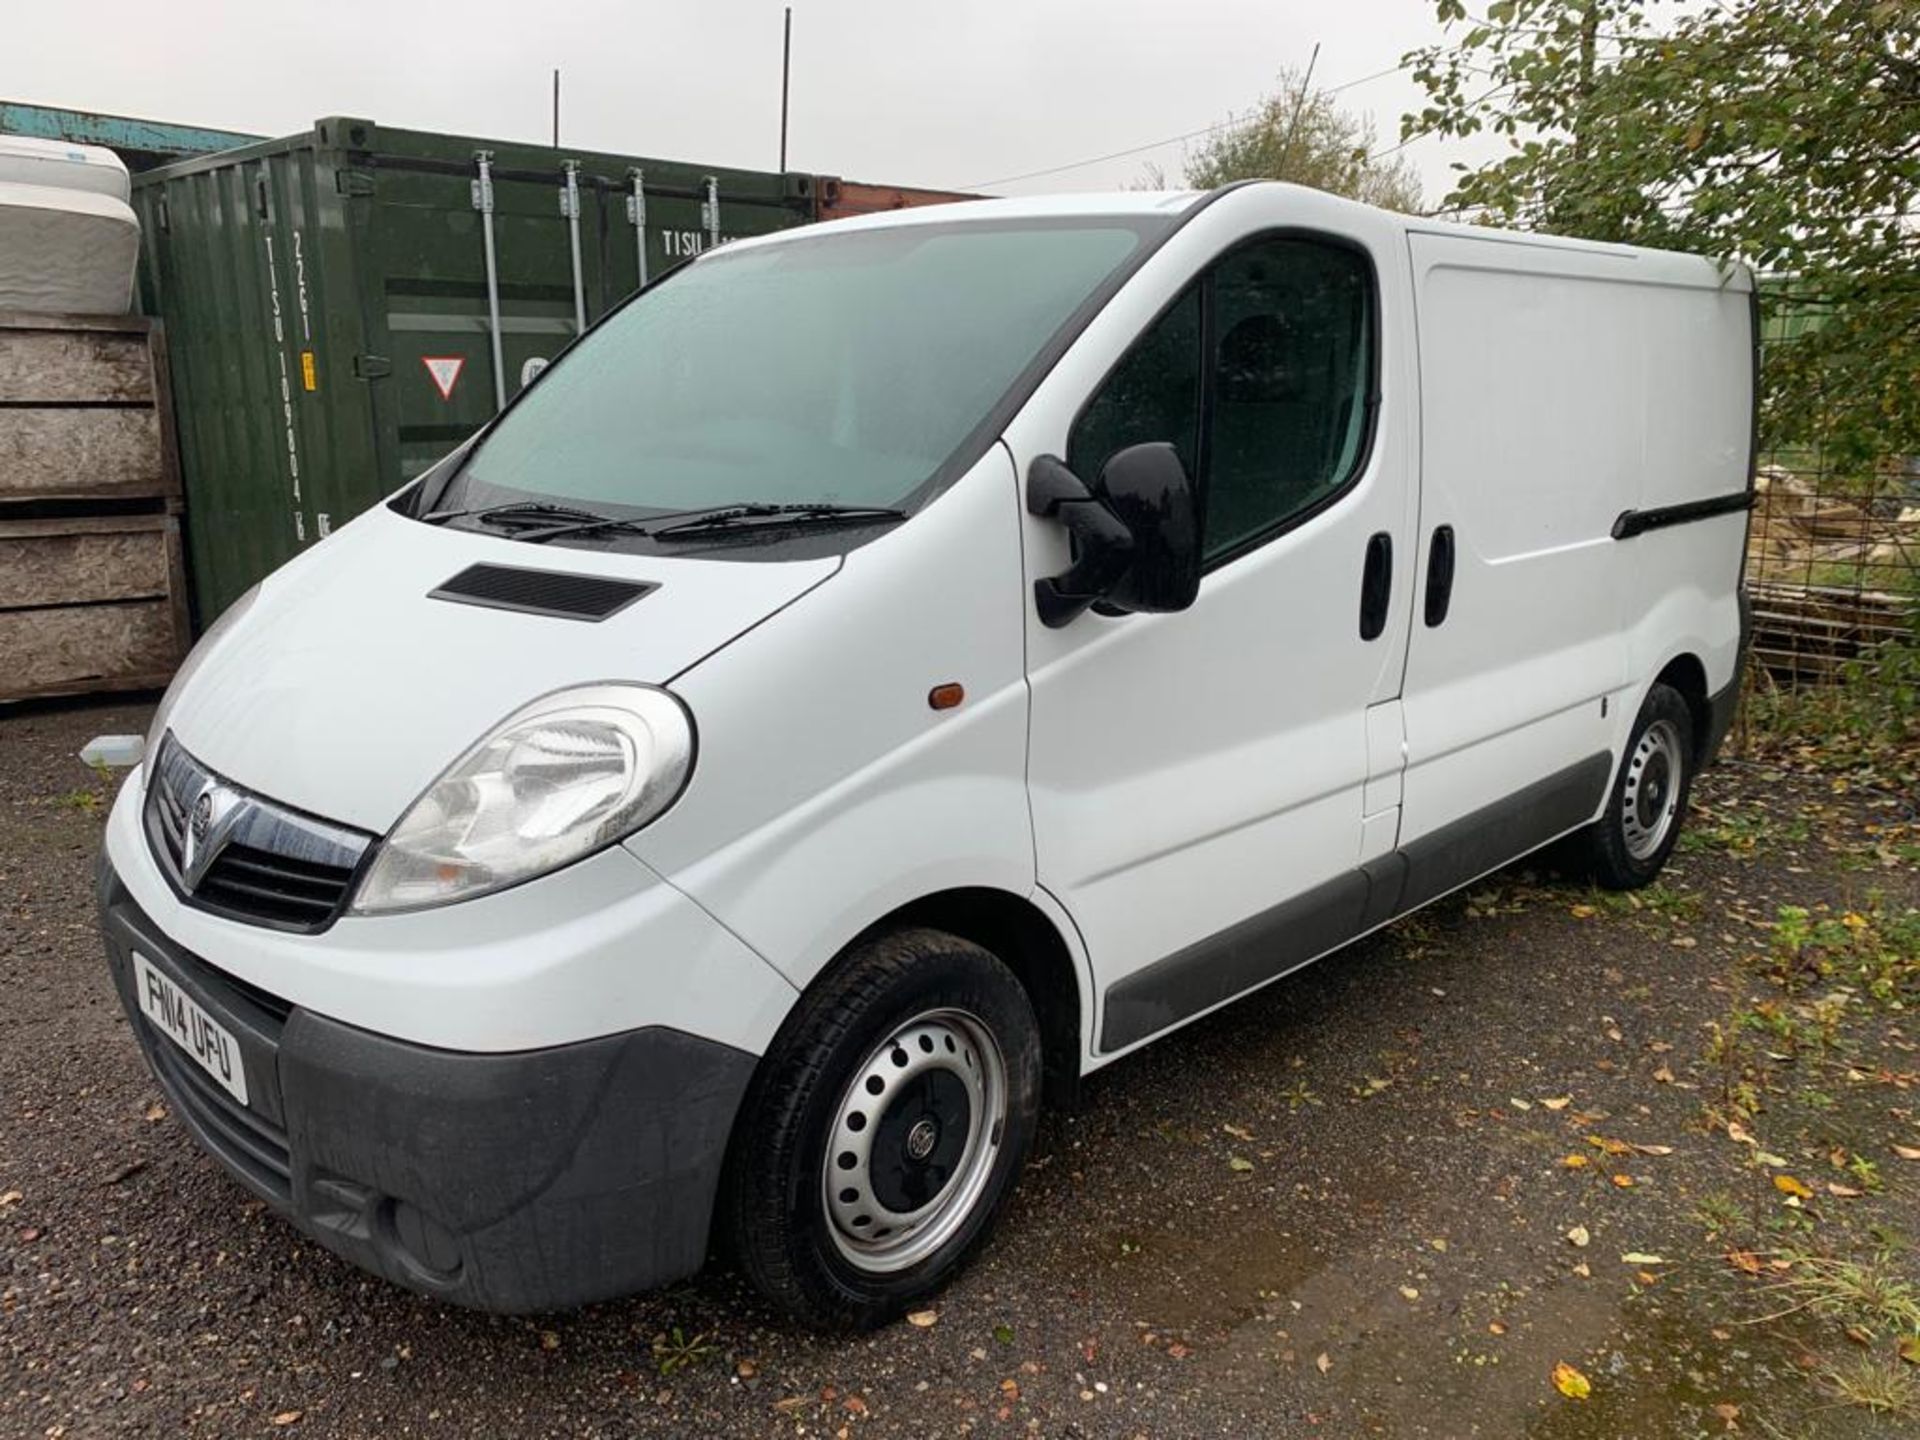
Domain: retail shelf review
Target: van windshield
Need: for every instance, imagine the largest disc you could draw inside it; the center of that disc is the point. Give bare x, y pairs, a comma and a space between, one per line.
841, 369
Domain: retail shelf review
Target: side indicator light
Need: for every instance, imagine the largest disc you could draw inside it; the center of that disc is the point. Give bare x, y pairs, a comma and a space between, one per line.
945, 697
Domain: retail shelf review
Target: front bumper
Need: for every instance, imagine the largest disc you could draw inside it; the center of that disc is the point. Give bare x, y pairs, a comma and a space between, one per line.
518, 1181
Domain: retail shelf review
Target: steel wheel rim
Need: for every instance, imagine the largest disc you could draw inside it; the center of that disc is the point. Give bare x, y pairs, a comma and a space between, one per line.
898, 1137
1650, 800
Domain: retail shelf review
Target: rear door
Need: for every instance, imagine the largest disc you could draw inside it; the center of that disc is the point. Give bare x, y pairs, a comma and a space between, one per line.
1202, 781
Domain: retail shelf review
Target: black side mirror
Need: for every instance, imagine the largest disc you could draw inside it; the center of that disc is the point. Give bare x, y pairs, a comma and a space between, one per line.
1136, 537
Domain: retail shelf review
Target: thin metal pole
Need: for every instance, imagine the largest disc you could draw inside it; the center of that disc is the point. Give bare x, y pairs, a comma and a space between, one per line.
786, 70
556, 107
1286, 150
483, 202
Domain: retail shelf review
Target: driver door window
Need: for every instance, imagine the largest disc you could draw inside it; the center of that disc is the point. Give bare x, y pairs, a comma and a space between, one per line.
1260, 375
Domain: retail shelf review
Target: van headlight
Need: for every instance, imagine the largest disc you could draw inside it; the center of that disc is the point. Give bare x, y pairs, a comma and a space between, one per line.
569, 774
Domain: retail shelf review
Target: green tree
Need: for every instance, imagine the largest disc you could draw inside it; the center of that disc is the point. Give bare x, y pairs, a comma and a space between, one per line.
1785, 133
1302, 135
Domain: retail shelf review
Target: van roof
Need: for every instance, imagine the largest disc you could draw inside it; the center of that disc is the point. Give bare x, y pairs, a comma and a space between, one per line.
1175, 202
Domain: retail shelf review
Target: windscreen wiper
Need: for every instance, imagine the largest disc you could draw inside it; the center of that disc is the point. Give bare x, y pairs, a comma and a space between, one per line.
549, 520
514, 512
744, 516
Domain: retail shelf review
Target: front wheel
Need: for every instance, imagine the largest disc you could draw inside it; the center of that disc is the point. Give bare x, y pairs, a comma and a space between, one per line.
884, 1130
1630, 842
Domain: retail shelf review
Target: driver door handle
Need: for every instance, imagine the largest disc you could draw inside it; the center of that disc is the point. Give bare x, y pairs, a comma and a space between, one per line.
1376, 586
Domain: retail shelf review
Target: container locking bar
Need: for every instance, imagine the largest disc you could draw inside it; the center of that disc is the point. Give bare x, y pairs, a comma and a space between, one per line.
710, 212
570, 207
483, 202
637, 217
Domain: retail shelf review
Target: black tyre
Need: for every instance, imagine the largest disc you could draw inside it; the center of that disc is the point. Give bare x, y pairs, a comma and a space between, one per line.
884, 1130
1627, 846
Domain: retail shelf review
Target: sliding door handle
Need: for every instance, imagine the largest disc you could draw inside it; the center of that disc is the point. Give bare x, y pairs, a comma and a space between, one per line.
1376, 586
1439, 575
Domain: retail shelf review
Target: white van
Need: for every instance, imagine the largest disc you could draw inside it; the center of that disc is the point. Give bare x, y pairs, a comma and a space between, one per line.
888, 671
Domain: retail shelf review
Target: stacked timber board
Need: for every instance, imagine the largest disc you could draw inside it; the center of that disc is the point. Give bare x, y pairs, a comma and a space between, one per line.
92, 590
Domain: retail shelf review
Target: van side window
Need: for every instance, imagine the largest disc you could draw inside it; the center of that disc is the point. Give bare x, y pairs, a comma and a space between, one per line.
1291, 373
1273, 345
1153, 394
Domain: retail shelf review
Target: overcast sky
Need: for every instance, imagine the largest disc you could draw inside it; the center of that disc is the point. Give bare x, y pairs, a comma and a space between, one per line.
952, 95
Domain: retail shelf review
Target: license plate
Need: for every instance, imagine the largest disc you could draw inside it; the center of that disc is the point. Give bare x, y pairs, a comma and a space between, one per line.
205, 1040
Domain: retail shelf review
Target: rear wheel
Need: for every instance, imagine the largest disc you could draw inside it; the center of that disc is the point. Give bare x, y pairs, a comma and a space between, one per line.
1629, 844
884, 1130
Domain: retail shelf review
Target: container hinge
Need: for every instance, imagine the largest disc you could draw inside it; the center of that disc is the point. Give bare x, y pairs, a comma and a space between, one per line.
710, 212
570, 192
371, 367
353, 182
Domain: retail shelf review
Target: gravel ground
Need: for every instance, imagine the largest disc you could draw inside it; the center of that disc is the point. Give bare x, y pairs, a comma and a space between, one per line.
1341, 1207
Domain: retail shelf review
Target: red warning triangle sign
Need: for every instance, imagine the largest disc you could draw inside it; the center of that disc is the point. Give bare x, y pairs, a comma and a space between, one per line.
444, 370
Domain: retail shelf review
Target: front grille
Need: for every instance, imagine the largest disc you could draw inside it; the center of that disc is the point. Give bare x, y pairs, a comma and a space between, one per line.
246, 1140
265, 886
270, 866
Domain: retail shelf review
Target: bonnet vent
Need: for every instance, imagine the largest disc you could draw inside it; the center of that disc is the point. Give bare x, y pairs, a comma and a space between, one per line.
541, 592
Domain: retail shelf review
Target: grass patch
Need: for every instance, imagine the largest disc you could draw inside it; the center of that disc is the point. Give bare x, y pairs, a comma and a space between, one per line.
1872, 1382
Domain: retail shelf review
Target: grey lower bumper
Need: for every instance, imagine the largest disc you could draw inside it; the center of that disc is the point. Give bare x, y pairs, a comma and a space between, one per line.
528, 1181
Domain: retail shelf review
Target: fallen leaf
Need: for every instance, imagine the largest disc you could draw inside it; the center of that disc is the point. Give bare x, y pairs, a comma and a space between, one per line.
1663, 1075
1521, 1104
1859, 1336
1438, 1244
1582, 1271
1906, 1152
1574, 1162
1654, 1149
1570, 1382
1558, 1103
1239, 1162
1610, 1147
12, 1197
287, 1417
1582, 912
923, 1318
1239, 1132
1738, 1132
1409, 1293
156, 1111
1744, 1260
1909, 1349
1579, 1236
549, 1340
1729, 1412
855, 1405
1625, 1182
1635, 1257
1768, 1159
1323, 1363
1845, 1192
1787, 1185
1494, 1327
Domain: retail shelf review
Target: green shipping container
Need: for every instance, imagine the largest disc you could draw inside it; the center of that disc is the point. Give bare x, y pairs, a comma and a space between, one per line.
336, 303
